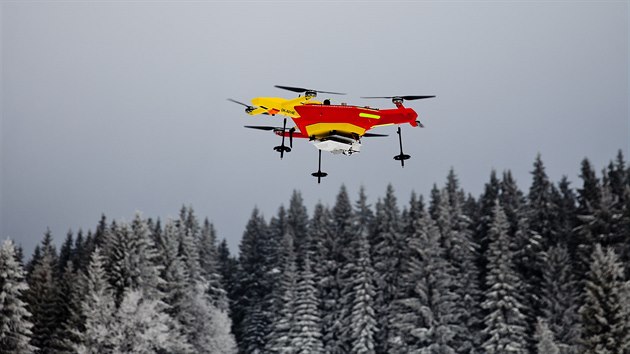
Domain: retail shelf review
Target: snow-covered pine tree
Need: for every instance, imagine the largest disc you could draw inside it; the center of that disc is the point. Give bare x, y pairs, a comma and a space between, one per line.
42, 298
461, 253
227, 266
333, 233
505, 324
284, 294
434, 201
65, 253
425, 318
323, 248
565, 201
99, 309
361, 222
297, 220
15, 325
307, 338
140, 326
251, 320
70, 313
189, 303
359, 292
486, 206
589, 199
541, 210
606, 309
388, 253
560, 299
188, 232
209, 263
544, 338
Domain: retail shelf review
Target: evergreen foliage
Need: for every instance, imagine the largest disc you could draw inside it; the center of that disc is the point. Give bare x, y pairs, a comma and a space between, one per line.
15, 325
508, 272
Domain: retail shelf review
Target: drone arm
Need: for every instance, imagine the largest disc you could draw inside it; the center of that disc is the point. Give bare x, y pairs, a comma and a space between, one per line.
296, 134
257, 111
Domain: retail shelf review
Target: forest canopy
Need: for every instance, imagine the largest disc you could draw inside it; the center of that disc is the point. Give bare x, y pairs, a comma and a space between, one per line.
510, 271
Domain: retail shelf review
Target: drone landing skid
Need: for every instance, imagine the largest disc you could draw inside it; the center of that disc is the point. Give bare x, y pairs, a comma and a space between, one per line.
319, 174
401, 157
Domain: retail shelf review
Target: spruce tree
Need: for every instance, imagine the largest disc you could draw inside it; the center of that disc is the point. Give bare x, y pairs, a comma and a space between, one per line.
505, 324
359, 288
308, 331
545, 343
425, 317
324, 246
285, 295
560, 299
606, 310
388, 253
99, 309
251, 321
209, 263
297, 220
461, 254
42, 298
15, 325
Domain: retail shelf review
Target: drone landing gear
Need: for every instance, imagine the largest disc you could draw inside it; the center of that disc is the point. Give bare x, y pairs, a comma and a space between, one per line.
282, 148
319, 174
402, 157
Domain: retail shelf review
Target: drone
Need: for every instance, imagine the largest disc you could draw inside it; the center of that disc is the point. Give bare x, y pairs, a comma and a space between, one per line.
337, 128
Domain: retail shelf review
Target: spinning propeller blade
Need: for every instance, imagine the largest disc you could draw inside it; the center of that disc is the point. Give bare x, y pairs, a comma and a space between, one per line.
301, 90
261, 127
248, 108
408, 98
372, 135
241, 103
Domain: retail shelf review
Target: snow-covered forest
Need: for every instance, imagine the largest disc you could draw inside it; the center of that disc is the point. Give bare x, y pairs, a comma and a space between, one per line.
510, 271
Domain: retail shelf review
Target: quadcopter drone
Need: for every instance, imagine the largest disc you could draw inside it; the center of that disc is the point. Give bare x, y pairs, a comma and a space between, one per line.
337, 128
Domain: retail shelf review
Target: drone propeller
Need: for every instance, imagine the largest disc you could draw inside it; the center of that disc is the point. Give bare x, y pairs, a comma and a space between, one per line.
408, 98
261, 127
248, 108
372, 135
303, 90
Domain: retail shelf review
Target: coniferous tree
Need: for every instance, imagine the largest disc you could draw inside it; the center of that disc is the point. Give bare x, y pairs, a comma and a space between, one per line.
545, 343
336, 237
251, 321
388, 252
460, 252
425, 320
359, 291
297, 220
308, 336
227, 267
140, 326
506, 325
70, 319
99, 309
15, 325
606, 311
42, 298
560, 299
282, 331
564, 199
65, 253
324, 247
209, 263
362, 324
484, 220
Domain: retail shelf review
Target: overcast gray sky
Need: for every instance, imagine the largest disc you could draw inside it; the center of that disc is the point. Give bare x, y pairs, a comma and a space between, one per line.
113, 107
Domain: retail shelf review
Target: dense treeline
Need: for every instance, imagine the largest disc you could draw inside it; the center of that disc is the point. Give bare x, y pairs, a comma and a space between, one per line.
506, 272
132, 287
